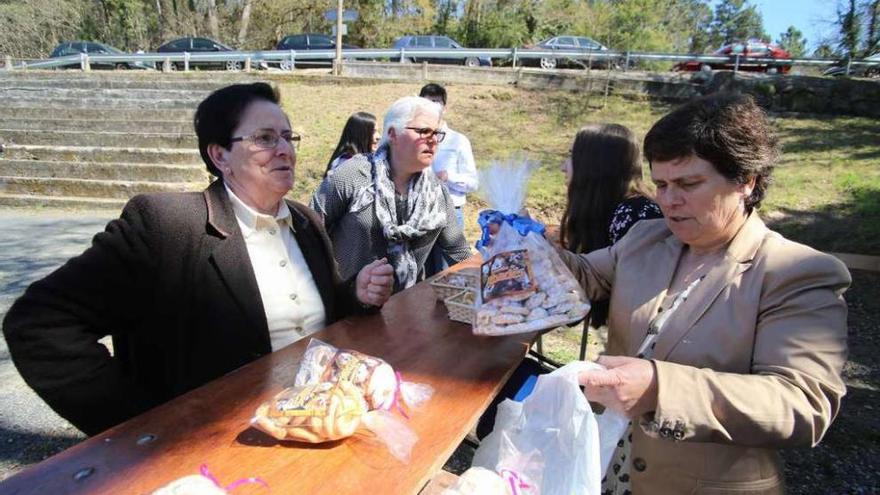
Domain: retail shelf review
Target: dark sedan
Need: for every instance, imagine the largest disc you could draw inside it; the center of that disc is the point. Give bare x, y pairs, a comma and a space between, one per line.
94, 48
586, 47
200, 45
437, 43
309, 41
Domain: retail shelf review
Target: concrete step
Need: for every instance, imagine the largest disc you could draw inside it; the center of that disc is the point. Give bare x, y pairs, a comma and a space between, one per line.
30, 100
103, 139
186, 96
89, 188
104, 171
122, 78
169, 156
96, 113
107, 125
102, 83
32, 202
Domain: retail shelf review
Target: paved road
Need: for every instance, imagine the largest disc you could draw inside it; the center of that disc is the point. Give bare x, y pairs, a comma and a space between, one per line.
31, 246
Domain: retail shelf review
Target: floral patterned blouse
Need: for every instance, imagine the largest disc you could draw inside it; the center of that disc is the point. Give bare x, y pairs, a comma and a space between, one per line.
628, 212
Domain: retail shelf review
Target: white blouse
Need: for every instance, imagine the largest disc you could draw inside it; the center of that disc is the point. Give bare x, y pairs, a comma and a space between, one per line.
291, 300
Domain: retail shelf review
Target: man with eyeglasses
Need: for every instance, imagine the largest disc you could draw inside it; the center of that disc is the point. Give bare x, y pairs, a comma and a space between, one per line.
454, 165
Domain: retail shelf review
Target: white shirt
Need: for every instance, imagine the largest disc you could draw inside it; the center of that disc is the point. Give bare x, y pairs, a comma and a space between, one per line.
291, 300
455, 156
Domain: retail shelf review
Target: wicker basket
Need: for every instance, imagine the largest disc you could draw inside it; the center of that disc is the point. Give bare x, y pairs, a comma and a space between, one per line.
449, 284
461, 306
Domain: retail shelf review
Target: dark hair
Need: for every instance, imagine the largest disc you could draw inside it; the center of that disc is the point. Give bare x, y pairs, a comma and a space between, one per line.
727, 130
357, 137
220, 113
606, 168
433, 90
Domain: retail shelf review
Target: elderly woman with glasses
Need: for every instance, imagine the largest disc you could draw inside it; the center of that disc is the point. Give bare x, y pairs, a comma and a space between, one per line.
189, 285
389, 204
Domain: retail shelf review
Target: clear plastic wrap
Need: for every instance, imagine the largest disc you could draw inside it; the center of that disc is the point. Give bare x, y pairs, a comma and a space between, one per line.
524, 285
204, 483
381, 386
552, 440
329, 411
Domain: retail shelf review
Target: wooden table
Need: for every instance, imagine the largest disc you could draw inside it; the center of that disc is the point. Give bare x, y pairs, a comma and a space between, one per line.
210, 425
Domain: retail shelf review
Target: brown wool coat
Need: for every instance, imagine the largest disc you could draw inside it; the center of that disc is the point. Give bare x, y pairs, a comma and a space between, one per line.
172, 282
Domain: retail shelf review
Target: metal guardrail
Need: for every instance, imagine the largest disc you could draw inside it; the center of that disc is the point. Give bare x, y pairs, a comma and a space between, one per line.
287, 59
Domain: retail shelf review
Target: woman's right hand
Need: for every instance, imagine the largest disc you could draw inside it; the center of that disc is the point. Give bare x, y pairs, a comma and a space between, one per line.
628, 385
375, 283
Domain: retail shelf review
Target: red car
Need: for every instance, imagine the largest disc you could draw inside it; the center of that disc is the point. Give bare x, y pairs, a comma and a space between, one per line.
748, 49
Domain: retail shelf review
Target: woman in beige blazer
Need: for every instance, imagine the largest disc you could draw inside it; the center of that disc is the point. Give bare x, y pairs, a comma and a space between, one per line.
726, 340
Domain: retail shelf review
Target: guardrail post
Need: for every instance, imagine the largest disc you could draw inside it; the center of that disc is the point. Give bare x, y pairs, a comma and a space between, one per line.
247, 64
514, 57
8, 62
186, 61
736, 64
166, 65
84, 63
402, 50
292, 60
424, 71
848, 65
626, 62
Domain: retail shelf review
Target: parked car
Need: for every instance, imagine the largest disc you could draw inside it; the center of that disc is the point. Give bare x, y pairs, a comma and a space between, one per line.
567, 42
748, 49
437, 43
199, 45
94, 48
308, 41
870, 71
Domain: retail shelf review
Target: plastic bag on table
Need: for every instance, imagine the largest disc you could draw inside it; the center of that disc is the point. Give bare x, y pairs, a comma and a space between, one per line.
524, 285
329, 411
482, 481
204, 484
381, 386
552, 439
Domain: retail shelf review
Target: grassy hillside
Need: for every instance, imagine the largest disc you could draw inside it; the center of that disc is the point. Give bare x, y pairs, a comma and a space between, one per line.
826, 194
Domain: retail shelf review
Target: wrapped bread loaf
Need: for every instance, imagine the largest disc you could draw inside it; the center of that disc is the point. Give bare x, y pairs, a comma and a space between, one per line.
313, 413
380, 385
524, 285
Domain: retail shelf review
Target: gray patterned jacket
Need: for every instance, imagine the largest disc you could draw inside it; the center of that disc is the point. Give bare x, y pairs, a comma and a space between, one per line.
357, 236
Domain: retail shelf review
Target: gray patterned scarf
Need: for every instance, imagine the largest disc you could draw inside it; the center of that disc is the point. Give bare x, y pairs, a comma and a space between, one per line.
426, 213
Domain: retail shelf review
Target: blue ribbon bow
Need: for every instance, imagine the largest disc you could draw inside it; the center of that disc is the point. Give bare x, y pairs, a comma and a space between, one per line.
523, 225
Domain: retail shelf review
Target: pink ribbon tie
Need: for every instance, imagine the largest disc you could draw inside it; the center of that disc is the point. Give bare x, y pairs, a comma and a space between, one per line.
203, 470
515, 480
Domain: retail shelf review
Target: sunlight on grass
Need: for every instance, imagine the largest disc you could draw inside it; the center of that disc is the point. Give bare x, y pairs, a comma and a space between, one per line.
826, 190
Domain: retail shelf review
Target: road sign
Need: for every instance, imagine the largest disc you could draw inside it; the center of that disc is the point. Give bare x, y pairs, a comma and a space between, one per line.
344, 30
347, 15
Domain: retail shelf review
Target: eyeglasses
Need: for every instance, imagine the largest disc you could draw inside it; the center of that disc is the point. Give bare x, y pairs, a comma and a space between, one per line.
268, 139
427, 132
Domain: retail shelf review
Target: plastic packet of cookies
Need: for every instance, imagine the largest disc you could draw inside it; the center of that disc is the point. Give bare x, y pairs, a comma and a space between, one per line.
524, 285
325, 412
205, 483
382, 387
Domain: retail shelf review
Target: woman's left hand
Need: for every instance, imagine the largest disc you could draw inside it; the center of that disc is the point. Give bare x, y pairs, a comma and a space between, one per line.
628, 386
375, 282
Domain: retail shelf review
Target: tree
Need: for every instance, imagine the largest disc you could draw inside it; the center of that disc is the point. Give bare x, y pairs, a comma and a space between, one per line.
849, 22
735, 20
872, 35
825, 50
792, 41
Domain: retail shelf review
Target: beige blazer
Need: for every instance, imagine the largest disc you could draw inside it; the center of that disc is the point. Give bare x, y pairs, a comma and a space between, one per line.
750, 363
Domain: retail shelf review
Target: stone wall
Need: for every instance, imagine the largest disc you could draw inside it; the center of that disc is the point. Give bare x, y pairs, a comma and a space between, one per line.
781, 93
